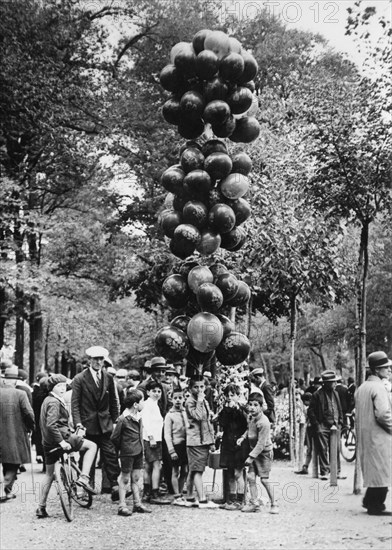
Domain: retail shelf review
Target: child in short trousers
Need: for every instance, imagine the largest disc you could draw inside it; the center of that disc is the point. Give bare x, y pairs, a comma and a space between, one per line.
200, 439
56, 432
261, 453
175, 437
152, 438
127, 439
232, 420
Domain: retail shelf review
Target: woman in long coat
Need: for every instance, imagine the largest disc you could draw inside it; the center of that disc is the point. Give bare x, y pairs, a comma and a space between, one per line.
16, 420
373, 415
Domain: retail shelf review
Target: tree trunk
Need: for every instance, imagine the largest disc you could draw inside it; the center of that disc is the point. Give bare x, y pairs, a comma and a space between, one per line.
19, 329
362, 274
3, 314
293, 333
248, 317
36, 338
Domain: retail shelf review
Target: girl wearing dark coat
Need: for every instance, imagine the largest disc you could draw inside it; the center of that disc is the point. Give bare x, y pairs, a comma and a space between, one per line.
233, 422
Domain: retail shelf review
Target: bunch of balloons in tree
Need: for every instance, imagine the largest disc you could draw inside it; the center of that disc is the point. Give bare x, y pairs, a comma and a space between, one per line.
212, 97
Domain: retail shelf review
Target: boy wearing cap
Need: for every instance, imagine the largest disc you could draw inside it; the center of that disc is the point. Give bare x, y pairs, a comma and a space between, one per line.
374, 431
200, 440
56, 432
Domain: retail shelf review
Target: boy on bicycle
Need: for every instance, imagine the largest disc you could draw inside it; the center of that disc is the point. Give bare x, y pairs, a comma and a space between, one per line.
56, 432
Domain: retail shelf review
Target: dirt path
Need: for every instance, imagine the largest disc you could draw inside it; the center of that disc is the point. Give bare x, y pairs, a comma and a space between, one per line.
312, 515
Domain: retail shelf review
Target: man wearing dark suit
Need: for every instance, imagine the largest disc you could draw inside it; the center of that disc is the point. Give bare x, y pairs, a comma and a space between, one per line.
324, 412
258, 379
95, 407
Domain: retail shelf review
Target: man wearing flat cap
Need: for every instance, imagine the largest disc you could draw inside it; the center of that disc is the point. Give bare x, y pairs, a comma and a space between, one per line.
373, 416
95, 407
259, 384
324, 412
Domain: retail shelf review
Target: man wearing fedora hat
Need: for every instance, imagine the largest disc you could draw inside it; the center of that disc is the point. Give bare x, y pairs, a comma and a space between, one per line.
324, 412
373, 415
157, 369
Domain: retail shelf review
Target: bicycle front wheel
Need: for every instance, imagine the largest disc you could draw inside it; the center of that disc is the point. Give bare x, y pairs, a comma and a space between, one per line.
79, 494
64, 488
348, 444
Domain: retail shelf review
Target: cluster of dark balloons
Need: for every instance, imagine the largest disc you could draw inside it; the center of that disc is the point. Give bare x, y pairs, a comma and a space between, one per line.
211, 82
208, 332
206, 199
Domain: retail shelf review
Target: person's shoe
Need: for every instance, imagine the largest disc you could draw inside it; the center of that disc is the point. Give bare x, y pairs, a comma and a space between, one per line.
41, 512
379, 512
341, 476
82, 481
209, 504
140, 509
231, 506
9, 495
124, 511
115, 495
302, 472
191, 503
159, 500
274, 509
39, 460
22, 469
248, 508
179, 501
324, 477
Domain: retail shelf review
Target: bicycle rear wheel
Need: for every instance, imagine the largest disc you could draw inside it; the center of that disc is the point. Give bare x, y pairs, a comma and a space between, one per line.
348, 444
79, 494
64, 488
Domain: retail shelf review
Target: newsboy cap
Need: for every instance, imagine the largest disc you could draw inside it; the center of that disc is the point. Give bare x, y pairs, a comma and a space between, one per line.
259, 370
55, 379
97, 351
378, 360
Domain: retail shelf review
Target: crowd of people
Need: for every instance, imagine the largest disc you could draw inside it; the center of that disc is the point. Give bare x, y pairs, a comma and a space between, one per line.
154, 435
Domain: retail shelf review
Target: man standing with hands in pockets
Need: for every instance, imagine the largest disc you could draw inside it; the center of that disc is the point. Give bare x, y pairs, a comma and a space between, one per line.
95, 408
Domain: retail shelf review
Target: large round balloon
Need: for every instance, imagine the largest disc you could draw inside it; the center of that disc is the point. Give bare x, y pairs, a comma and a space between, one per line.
231, 239
185, 60
181, 322
231, 67
218, 42
227, 324
187, 233
192, 159
215, 89
225, 129
192, 104
181, 248
247, 130
218, 165
172, 179
195, 213
198, 40
233, 349
209, 297
169, 220
216, 112
207, 64
241, 297
242, 163
171, 111
199, 275
170, 78
210, 242
197, 181
241, 209
186, 267
176, 291
218, 269
228, 283
205, 332
234, 186
172, 343
240, 100
221, 218
213, 146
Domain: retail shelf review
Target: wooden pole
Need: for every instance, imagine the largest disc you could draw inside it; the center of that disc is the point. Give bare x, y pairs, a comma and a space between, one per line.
333, 457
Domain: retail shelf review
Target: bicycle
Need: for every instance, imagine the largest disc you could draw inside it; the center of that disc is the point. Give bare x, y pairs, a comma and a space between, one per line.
66, 472
348, 440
